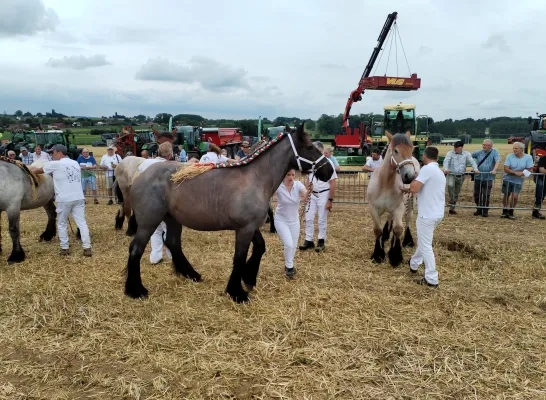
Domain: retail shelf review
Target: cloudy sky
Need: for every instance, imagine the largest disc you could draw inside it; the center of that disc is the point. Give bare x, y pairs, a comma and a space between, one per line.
245, 58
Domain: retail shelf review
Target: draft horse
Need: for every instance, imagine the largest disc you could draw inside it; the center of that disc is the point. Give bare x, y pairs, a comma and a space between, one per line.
22, 190
124, 174
398, 167
227, 197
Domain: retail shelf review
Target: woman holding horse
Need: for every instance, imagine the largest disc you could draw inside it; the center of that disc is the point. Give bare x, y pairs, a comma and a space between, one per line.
287, 222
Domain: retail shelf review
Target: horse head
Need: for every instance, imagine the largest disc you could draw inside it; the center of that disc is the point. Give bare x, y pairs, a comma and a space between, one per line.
307, 158
401, 155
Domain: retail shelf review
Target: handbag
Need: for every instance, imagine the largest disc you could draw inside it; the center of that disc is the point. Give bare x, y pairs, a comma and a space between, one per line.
480, 163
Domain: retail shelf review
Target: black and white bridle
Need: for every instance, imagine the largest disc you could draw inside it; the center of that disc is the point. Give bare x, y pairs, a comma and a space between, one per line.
299, 158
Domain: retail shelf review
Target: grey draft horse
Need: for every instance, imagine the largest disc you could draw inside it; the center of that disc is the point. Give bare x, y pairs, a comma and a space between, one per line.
22, 190
224, 198
384, 196
124, 174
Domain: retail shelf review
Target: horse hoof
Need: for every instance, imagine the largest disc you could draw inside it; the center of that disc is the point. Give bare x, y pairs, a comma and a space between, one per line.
16, 257
47, 236
239, 296
194, 277
136, 292
378, 260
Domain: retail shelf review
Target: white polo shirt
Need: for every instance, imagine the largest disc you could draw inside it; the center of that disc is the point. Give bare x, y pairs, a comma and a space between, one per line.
288, 202
432, 196
319, 185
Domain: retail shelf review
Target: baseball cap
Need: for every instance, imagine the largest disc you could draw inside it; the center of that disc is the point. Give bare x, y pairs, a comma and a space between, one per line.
111, 148
22, 148
458, 143
245, 144
57, 147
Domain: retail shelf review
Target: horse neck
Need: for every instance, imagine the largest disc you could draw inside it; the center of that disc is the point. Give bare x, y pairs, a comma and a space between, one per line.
269, 168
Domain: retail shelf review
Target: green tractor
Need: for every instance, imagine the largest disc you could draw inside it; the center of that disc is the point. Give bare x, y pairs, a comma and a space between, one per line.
46, 139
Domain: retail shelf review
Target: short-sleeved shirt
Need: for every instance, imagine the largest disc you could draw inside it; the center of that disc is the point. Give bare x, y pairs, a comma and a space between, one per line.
149, 161
318, 185
212, 157
89, 160
334, 161
517, 164
432, 196
108, 161
487, 166
373, 163
288, 202
66, 179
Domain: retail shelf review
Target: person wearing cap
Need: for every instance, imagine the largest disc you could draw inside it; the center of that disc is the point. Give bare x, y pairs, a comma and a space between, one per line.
454, 165
109, 161
68, 196
26, 157
244, 151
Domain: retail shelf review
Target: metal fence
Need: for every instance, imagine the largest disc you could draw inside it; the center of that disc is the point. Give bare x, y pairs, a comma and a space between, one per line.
352, 185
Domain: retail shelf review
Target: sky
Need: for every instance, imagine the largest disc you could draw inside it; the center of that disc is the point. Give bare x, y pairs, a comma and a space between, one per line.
247, 58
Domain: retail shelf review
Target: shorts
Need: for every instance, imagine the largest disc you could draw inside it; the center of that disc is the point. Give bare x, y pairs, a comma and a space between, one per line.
510, 187
109, 182
89, 181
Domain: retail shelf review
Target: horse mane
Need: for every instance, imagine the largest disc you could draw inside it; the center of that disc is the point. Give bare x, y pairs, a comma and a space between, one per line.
192, 170
34, 179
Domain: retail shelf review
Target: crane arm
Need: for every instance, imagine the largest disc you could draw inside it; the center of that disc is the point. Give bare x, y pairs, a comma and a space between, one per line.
356, 95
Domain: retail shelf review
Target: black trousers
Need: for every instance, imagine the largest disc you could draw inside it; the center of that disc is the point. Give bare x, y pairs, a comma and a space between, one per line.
482, 193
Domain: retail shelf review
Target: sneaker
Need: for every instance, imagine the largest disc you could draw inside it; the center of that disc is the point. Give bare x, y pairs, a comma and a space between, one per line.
64, 252
290, 272
307, 245
423, 281
413, 271
87, 252
320, 246
536, 214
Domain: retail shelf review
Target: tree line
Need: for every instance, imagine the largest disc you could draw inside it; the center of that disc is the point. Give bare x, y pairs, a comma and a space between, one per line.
500, 127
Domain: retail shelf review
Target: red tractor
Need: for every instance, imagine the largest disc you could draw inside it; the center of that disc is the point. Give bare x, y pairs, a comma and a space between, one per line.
129, 140
535, 143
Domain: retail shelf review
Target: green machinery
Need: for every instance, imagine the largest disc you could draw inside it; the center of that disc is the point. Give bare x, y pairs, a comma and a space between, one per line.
46, 139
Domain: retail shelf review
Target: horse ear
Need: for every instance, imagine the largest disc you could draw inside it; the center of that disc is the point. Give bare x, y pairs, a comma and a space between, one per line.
301, 131
408, 133
389, 135
287, 128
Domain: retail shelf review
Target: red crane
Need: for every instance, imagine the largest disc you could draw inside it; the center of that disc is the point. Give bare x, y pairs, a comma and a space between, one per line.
356, 137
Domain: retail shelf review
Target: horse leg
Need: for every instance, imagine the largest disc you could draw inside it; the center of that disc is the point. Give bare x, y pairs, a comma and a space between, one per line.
395, 252
234, 288
51, 228
173, 241
378, 255
408, 238
120, 216
387, 229
271, 220
0, 231
250, 274
17, 253
133, 282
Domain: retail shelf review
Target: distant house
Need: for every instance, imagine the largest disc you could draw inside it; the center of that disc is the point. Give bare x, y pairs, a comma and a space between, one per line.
76, 125
59, 125
100, 123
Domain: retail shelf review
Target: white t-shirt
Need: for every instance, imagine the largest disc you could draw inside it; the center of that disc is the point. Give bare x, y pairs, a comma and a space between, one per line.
288, 202
149, 161
212, 157
373, 163
432, 196
319, 185
107, 161
66, 179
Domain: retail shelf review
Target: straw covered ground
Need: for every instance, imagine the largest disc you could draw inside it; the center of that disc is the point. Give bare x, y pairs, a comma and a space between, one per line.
345, 328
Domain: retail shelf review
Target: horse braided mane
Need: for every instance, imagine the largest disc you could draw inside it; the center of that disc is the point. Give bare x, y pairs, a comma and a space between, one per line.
192, 170
34, 179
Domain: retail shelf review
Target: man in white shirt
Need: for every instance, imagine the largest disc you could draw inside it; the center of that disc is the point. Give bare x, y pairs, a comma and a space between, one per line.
109, 161
430, 186
321, 200
165, 153
373, 162
68, 196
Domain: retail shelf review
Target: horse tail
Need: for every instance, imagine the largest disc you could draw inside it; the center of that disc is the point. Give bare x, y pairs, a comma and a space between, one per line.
118, 192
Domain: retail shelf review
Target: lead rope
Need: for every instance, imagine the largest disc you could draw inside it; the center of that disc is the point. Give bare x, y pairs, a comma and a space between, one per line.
307, 204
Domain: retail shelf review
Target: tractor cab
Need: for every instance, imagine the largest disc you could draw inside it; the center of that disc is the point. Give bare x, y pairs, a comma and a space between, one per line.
535, 143
399, 118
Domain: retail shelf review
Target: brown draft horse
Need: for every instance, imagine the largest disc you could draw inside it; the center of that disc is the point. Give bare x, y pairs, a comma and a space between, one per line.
224, 198
398, 167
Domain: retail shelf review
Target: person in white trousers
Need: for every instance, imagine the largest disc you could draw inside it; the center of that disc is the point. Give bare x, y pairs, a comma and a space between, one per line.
321, 202
287, 222
430, 187
69, 196
165, 153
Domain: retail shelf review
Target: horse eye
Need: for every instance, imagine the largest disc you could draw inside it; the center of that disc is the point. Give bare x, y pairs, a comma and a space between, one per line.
396, 151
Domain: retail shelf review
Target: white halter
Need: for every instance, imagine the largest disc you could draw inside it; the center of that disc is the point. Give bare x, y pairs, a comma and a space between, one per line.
298, 158
401, 163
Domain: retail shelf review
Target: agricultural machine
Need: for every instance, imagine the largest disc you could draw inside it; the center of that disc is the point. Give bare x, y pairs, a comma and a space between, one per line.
535, 143
46, 139
129, 140
195, 139
353, 143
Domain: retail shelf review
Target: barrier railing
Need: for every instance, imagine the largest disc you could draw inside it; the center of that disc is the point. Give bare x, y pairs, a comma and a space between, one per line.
352, 185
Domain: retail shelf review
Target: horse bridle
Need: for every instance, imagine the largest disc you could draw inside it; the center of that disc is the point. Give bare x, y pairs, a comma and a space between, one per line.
399, 165
299, 158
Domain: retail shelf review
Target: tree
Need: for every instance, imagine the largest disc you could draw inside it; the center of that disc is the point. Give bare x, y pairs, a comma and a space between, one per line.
18, 113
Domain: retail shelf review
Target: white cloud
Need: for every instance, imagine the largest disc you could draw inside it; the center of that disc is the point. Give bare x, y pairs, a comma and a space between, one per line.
248, 58
78, 62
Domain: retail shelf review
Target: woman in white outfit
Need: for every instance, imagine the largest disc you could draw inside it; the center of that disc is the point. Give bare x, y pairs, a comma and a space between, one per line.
287, 222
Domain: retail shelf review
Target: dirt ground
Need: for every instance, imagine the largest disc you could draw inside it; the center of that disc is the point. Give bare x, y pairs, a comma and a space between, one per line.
345, 328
